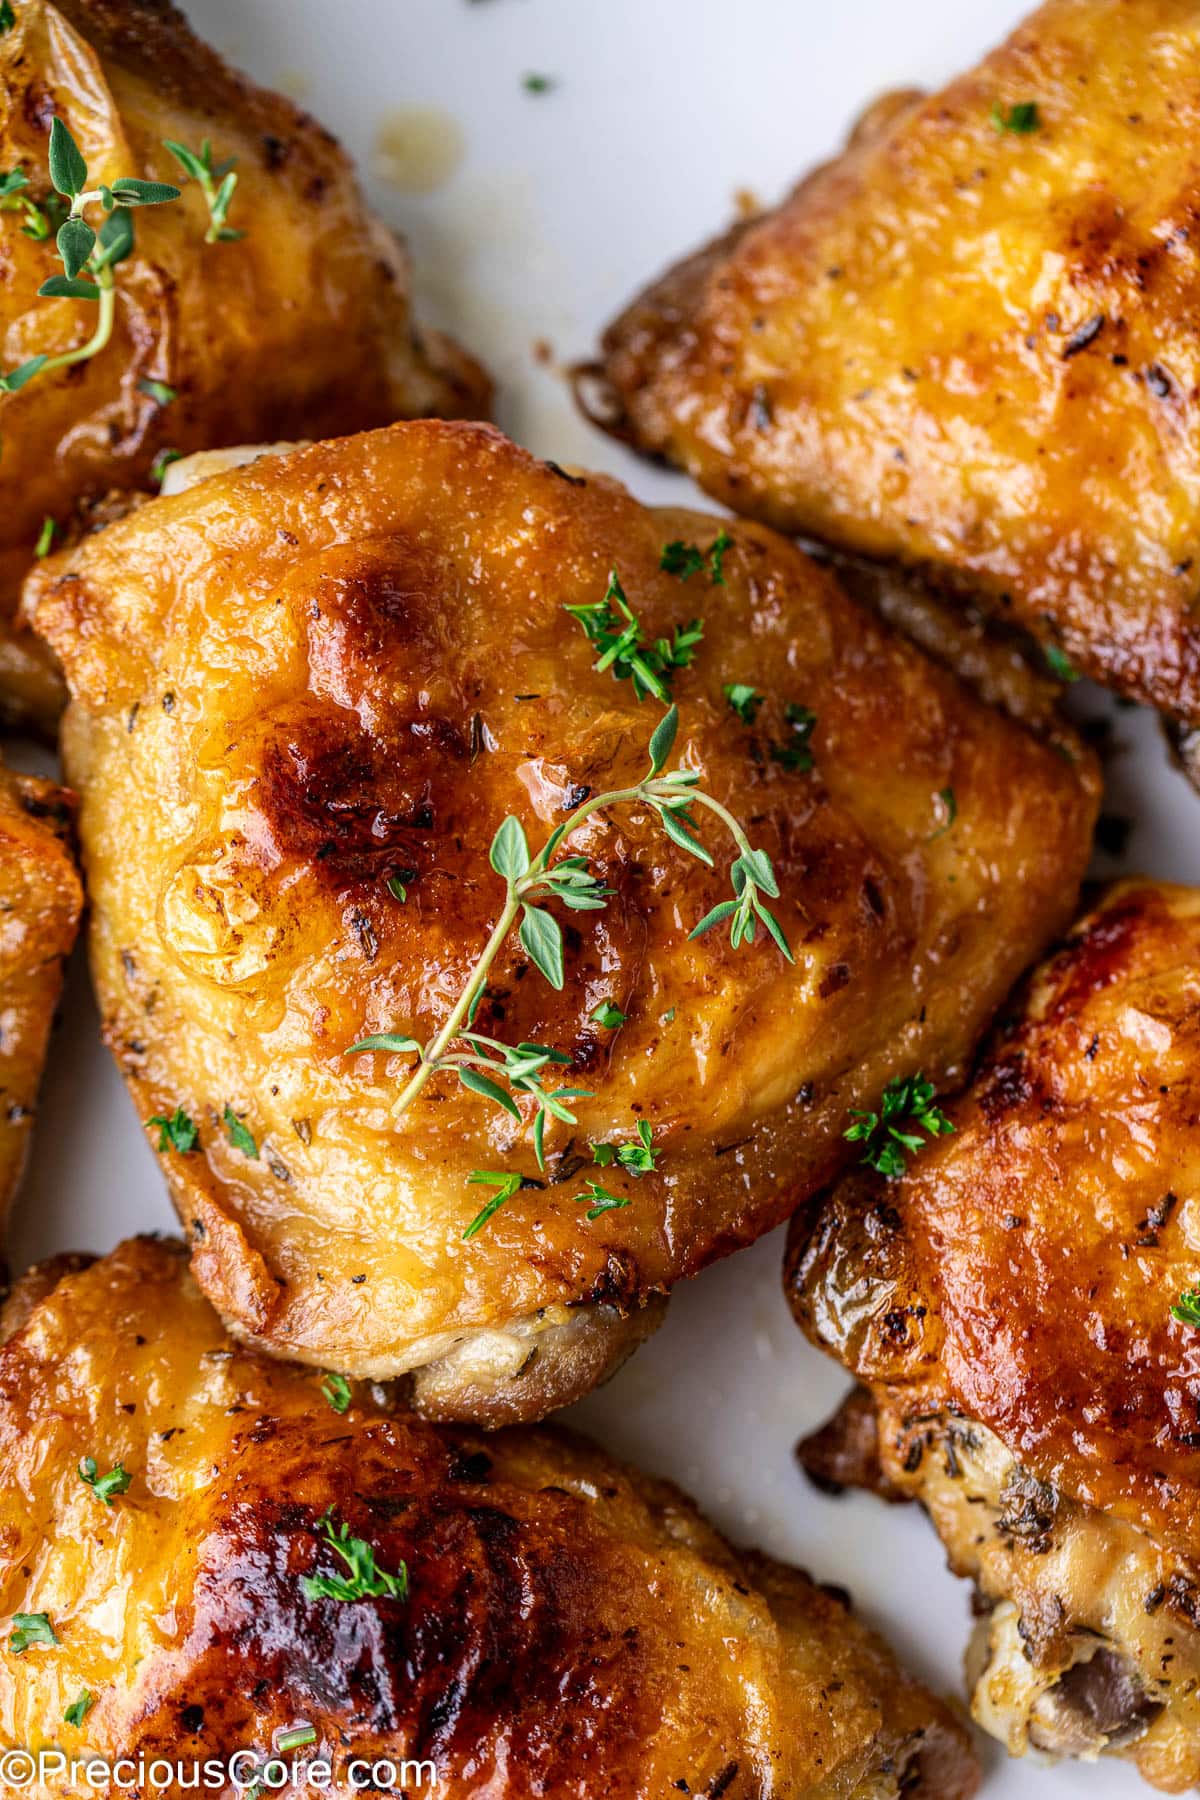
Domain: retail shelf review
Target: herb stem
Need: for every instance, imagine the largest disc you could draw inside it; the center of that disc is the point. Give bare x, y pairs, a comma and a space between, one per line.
104, 324
433, 1055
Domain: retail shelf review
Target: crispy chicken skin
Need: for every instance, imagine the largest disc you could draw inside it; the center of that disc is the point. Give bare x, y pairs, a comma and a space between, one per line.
572, 1627
1007, 1303
305, 676
303, 327
40, 902
973, 349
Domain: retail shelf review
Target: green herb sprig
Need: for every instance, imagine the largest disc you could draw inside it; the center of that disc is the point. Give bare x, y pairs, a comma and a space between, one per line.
176, 1131
217, 183
366, 1580
623, 648
88, 255
599, 1201
497, 1071
79, 1709
686, 560
105, 1487
1021, 117
1187, 1308
639, 1157
337, 1392
909, 1101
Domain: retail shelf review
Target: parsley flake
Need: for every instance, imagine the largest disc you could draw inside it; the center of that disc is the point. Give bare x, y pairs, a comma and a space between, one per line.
744, 701
366, 1580
46, 537
1059, 663
1187, 1308
176, 1131
8, 17
1022, 117
618, 637
161, 463
336, 1390
909, 1100
608, 1016
239, 1134
538, 84
158, 391
686, 560
30, 1628
104, 1486
79, 1709
640, 1158
797, 752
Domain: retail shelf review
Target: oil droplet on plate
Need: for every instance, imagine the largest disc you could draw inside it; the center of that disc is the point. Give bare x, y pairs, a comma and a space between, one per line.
418, 149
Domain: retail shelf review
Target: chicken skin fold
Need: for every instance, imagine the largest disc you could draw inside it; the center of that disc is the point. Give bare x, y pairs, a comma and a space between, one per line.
1021, 1311
41, 898
518, 1613
968, 344
306, 694
299, 326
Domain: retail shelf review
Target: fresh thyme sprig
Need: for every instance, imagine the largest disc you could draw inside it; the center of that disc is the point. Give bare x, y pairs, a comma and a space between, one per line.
639, 1157
217, 182
498, 1071
88, 256
623, 649
907, 1100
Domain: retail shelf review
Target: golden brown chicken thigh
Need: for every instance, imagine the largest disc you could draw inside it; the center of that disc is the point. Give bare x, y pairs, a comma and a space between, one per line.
969, 344
40, 902
204, 1552
1008, 1305
306, 696
300, 326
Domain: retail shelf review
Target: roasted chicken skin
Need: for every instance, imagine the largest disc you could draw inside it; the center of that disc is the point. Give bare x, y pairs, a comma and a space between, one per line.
302, 327
1008, 1306
40, 903
344, 667
571, 1628
968, 343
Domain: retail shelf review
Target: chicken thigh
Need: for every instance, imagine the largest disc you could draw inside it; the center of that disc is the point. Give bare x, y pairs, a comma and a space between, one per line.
968, 343
295, 321
308, 694
1021, 1310
40, 901
208, 1557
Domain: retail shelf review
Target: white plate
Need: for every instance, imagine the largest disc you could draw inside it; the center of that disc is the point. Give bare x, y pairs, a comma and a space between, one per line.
564, 204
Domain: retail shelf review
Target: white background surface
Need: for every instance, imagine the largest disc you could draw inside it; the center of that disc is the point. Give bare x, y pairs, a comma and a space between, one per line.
564, 204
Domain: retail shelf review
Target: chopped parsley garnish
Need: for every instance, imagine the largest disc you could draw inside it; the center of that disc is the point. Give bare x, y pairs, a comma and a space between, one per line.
1187, 1308
745, 701
1022, 117
105, 1487
79, 1709
599, 1201
1058, 663
176, 1131
161, 463
608, 1016
506, 1182
686, 560
797, 752
239, 1134
907, 1102
623, 650
158, 391
336, 1390
46, 537
538, 84
30, 1628
366, 1580
8, 17
639, 1158
397, 889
